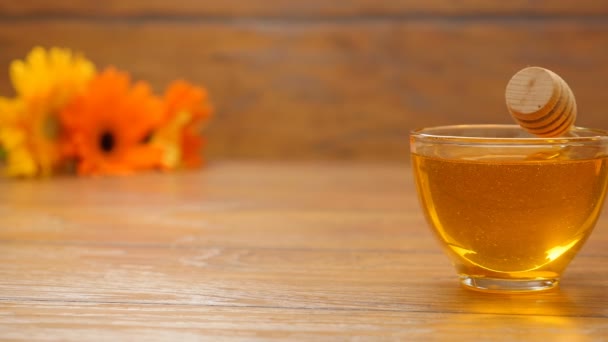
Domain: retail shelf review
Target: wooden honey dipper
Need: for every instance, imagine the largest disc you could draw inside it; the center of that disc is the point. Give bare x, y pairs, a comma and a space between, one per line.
541, 102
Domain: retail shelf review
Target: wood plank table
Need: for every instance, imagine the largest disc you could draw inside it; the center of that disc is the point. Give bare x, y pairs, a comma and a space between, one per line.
251, 250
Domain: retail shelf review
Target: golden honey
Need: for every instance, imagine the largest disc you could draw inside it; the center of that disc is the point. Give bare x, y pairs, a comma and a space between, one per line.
511, 218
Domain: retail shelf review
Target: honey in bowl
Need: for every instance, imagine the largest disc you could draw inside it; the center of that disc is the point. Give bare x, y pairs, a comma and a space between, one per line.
511, 210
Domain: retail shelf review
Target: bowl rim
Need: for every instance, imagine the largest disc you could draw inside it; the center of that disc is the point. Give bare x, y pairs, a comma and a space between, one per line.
578, 136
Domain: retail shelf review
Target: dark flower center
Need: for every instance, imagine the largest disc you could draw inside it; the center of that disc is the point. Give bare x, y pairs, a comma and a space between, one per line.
106, 142
147, 138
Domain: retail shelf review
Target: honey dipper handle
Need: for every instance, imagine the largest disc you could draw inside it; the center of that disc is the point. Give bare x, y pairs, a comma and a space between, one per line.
541, 102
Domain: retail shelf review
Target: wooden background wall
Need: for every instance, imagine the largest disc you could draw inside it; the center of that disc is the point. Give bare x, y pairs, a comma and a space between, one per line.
321, 79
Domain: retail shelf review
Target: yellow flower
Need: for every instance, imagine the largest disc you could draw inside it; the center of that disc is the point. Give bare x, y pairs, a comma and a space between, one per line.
30, 127
57, 71
19, 162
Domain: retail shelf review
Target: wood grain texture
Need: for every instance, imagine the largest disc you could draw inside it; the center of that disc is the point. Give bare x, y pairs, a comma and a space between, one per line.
324, 251
288, 8
218, 208
326, 80
191, 323
326, 90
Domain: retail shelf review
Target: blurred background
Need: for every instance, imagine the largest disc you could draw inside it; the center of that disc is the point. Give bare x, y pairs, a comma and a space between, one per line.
318, 79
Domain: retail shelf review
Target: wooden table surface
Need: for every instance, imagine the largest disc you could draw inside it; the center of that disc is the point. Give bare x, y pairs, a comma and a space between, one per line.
250, 250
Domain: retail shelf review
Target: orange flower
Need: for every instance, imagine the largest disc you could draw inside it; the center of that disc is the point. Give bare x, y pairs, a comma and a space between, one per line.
110, 124
186, 110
